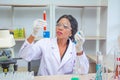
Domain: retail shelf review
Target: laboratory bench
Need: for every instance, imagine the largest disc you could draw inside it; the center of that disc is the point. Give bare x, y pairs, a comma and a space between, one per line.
29, 76
68, 77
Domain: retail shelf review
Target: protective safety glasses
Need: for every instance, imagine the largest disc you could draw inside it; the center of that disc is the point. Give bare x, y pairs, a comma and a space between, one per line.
65, 26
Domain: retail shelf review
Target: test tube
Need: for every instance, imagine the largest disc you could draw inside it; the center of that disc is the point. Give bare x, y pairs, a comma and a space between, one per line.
44, 18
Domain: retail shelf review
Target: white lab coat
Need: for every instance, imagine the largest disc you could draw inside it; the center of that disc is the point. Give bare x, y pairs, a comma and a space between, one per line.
51, 64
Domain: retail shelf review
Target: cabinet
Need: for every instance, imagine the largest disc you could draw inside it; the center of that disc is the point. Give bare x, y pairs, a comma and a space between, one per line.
90, 14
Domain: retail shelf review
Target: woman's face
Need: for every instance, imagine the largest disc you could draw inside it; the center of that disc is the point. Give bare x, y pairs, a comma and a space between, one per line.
63, 29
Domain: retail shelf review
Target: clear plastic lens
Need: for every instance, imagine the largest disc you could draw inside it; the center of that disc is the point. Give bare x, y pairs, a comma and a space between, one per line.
63, 25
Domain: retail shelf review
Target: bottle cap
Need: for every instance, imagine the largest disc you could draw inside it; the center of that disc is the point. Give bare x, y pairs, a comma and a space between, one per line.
75, 78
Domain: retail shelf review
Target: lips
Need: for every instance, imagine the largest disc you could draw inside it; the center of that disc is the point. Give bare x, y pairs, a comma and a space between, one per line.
59, 33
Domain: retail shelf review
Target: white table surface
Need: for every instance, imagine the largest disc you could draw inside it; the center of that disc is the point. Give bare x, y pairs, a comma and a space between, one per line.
68, 77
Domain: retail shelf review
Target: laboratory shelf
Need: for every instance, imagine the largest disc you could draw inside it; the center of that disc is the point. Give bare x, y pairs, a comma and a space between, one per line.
81, 6
86, 38
95, 37
23, 39
23, 5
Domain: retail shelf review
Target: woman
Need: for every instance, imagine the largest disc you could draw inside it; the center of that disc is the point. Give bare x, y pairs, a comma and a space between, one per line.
57, 54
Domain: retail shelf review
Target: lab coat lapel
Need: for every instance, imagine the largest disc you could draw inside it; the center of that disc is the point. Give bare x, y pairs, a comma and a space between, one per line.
55, 50
67, 55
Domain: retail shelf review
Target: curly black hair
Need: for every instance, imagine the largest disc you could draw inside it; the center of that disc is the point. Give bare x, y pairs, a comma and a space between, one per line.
74, 24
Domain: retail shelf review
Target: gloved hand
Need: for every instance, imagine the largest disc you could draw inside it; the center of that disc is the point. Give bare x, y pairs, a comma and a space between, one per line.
37, 24
79, 38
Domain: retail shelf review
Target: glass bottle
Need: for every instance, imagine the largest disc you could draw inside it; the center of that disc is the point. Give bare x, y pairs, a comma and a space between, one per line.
99, 66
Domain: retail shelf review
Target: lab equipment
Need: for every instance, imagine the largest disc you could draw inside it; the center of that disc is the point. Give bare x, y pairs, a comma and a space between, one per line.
6, 51
46, 34
17, 76
37, 25
99, 60
19, 33
117, 65
99, 66
77, 69
117, 70
44, 18
6, 39
75, 78
6, 60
